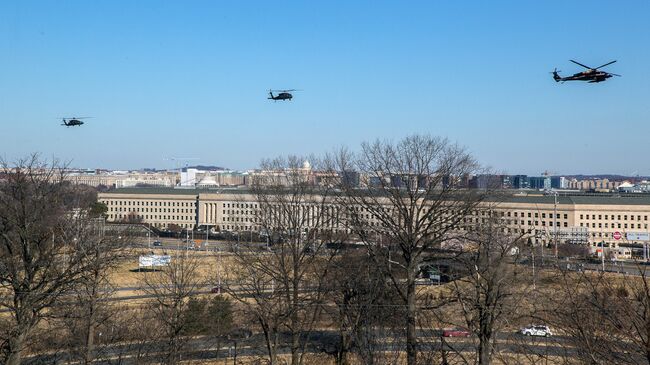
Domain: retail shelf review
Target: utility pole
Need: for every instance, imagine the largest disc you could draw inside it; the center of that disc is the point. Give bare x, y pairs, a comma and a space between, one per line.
602, 255
555, 223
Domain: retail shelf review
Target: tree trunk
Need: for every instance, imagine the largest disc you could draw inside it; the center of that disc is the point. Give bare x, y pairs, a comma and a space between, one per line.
411, 335
270, 340
295, 335
344, 348
90, 332
484, 350
90, 343
16, 344
647, 340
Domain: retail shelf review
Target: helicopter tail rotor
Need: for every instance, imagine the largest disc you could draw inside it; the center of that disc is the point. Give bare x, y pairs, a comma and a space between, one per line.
556, 76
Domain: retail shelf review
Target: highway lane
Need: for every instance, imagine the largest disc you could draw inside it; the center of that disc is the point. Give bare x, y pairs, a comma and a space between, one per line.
325, 342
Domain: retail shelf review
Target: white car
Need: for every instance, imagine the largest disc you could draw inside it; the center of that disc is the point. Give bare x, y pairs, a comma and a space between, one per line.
542, 331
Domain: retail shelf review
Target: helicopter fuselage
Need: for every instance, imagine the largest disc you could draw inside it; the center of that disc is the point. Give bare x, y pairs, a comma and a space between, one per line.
281, 96
72, 123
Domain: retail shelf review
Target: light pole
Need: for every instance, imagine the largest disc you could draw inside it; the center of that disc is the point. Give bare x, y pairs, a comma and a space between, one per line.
555, 223
602, 254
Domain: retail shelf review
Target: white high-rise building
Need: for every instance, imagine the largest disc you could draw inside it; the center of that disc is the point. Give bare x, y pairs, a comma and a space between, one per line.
188, 177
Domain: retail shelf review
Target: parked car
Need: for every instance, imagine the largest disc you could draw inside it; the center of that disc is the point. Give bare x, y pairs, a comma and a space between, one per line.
157, 243
456, 332
536, 330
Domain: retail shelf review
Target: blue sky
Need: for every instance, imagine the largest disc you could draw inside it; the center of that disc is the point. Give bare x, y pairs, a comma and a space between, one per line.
189, 79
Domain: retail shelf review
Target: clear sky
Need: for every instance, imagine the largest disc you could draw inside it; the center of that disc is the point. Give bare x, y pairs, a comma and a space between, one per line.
189, 79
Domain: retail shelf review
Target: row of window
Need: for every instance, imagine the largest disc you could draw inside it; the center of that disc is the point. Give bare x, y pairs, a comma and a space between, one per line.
615, 225
156, 217
537, 215
148, 203
614, 217
151, 210
238, 205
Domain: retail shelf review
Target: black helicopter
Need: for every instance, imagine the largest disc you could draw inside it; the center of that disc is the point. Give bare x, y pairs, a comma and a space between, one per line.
593, 74
71, 122
282, 94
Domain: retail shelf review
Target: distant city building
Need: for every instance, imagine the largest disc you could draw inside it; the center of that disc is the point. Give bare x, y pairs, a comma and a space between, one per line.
188, 177
593, 184
122, 179
539, 182
559, 182
641, 187
488, 181
520, 182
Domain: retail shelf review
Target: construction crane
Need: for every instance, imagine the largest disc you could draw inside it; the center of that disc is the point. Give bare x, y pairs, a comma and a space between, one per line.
179, 159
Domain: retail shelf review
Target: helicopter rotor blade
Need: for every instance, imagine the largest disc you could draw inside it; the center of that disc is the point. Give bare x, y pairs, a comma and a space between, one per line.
578, 63
614, 74
608, 63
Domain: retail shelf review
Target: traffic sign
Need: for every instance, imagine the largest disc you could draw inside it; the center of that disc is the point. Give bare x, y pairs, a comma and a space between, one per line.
637, 236
617, 235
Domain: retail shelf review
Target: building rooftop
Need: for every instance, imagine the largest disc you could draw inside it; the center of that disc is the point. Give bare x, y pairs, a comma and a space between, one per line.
534, 198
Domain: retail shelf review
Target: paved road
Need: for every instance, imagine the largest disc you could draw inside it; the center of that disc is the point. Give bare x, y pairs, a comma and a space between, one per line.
621, 267
324, 342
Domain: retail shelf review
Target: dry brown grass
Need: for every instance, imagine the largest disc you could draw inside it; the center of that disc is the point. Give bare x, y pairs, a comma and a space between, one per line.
127, 273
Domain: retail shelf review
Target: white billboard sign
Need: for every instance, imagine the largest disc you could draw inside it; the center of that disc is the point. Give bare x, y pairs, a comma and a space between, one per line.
154, 260
637, 236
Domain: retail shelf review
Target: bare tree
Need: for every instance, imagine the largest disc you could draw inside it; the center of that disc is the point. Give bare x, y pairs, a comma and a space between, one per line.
366, 311
488, 289
283, 288
210, 317
171, 289
88, 307
411, 194
605, 316
46, 235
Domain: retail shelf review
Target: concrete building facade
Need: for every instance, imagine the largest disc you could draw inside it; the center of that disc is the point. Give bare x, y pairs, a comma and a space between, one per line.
587, 219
